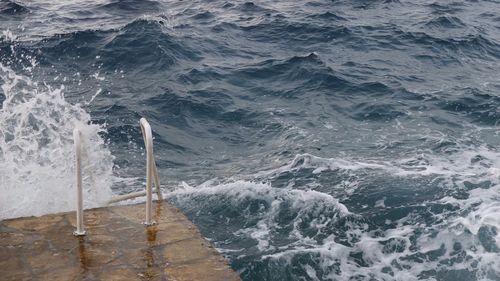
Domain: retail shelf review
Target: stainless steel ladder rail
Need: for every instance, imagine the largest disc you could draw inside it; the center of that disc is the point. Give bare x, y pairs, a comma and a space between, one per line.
151, 176
148, 138
80, 230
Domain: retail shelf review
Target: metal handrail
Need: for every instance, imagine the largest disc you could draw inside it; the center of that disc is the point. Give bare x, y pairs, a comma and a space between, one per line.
144, 124
80, 230
148, 142
151, 175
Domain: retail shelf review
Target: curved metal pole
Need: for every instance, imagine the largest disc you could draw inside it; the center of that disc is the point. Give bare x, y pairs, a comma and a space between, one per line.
80, 230
155, 171
145, 128
148, 142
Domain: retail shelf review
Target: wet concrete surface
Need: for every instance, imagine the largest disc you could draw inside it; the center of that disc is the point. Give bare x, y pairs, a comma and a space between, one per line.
117, 247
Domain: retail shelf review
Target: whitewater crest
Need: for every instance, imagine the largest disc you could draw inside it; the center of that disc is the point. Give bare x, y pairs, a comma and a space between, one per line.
36, 150
326, 241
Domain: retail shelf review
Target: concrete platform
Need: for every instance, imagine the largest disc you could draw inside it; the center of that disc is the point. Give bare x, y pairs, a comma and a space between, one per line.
117, 247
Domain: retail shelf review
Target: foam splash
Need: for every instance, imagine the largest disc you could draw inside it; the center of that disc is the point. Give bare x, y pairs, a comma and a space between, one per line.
36, 150
325, 241
8, 35
264, 206
464, 242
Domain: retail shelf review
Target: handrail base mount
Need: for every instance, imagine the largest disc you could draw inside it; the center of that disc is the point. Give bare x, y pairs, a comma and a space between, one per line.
149, 224
79, 233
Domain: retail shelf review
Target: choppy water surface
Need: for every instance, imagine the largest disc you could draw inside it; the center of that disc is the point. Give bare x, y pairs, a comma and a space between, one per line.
309, 140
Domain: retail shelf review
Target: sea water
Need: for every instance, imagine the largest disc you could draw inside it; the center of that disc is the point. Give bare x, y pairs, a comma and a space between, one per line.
308, 140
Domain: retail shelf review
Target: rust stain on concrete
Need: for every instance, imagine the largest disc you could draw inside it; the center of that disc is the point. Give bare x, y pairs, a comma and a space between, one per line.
117, 247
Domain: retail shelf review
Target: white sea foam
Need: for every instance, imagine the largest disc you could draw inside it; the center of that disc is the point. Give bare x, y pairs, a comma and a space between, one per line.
477, 212
36, 150
458, 239
8, 35
318, 208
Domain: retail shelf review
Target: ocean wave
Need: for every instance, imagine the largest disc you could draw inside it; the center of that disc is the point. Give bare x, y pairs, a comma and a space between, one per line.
297, 235
284, 30
203, 75
475, 45
119, 6
445, 21
144, 42
193, 107
11, 8
451, 8
202, 16
304, 73
328, 16
251, 7
266, 212
376, 112
474, 105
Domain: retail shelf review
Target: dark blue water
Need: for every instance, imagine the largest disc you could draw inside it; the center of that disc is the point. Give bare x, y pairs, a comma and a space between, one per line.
308, 140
